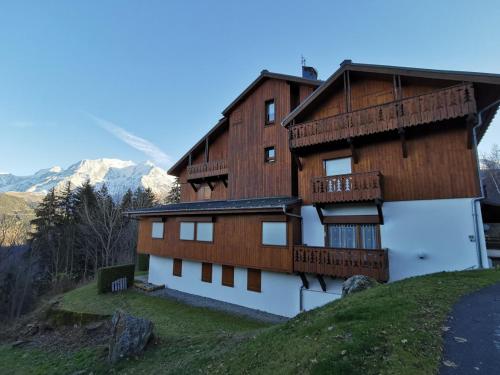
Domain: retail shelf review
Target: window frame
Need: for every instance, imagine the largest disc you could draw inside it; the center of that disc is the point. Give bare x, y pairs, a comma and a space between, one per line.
250, 287
177, 267
357, 235
267, 122
162, 230
271, 220
208, 279
267, 159
337, 158
194, 230
223, 281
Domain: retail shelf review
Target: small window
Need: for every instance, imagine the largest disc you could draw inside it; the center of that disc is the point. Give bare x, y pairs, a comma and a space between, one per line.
187, 231
270, 112
274, 233
177, 269
335, 167
204, 232
253, 280
368, 236
206, 272
228, 276
269, 154
342, 236
157, 229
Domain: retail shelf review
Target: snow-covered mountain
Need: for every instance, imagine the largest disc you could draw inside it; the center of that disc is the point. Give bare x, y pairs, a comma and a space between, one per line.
118, 175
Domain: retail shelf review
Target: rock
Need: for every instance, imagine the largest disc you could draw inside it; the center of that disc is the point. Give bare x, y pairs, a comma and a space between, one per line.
357, 283
93, 326
129, 336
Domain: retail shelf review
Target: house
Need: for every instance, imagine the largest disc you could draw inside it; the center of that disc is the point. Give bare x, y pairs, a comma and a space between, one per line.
304, 183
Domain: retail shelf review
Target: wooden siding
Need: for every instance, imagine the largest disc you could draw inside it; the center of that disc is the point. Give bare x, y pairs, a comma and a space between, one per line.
253, 280
227, 276
206, 272
439, 165
236, 242
177, 267
342, 263
250, 176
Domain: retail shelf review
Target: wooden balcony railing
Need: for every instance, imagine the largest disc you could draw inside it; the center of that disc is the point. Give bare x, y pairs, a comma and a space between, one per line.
493, 242
443, 104
355, 187
205, 170
342, 263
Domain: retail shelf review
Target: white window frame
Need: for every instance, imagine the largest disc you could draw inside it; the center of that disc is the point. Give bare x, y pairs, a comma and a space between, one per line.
157, 229
266, 241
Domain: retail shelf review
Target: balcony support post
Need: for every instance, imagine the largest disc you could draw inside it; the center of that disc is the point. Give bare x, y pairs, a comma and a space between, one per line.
378, 203
321, 282
353, 150
305, 282
320, 213
224, 181
211, 186
402, 137
195, 188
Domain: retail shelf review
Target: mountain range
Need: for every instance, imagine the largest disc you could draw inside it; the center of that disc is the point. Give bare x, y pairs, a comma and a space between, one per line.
118, 175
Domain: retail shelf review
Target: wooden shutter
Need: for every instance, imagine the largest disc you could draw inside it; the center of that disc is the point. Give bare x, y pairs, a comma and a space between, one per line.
253, 280
228, 276
177, 267
206, 272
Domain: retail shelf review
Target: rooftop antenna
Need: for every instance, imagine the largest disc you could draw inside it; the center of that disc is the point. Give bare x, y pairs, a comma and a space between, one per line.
302, 60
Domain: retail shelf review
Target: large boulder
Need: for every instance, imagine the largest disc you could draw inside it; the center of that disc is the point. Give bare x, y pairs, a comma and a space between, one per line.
129, 336
357, 283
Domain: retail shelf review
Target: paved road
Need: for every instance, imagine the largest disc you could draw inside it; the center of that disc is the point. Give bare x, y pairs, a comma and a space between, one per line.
475, 318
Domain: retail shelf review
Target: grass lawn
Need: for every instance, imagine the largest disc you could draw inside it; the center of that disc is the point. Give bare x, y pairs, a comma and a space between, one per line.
392, 329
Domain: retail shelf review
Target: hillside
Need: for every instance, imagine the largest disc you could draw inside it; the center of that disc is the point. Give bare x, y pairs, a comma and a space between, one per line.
118, 175
392, 329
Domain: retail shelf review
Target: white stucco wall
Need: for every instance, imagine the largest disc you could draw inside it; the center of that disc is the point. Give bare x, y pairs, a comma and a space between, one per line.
422, 236
280, 293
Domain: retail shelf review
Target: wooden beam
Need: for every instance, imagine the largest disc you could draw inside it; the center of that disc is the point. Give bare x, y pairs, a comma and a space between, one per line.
206, 149
297, 160
211, 186
353, 150
321, 282
471, 121
195, 188
379, 203
320, 213
352, 219
224, 181
402, 137
189, 159
305, 282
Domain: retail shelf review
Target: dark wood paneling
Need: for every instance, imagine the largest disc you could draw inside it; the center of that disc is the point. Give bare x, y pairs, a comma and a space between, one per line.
206, 272
237, 242
438, 166
254, 280
228, 276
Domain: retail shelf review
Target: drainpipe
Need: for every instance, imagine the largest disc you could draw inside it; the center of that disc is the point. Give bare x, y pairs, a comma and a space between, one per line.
477, 230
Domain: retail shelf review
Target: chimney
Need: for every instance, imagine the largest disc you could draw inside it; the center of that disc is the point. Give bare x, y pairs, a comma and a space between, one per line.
309, 72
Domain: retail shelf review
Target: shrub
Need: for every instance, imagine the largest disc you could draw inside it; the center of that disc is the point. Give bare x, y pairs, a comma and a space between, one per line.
142, 262
106, 275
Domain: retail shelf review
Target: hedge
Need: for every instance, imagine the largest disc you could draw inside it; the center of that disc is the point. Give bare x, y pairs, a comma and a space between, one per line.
106, 275
142, 262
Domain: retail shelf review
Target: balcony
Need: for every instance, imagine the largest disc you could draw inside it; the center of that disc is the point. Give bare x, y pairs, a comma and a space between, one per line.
355, 187
341, 263
443, 104
211, 169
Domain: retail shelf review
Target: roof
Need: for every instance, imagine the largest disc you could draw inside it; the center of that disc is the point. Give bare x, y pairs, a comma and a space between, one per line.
265, 74
222, 122
348, 65
223, 207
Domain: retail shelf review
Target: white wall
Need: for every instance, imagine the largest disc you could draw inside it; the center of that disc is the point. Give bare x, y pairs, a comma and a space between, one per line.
422, 236
280, 293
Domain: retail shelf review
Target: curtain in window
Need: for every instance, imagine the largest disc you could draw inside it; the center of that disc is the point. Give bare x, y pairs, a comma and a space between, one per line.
342, 236
368, 237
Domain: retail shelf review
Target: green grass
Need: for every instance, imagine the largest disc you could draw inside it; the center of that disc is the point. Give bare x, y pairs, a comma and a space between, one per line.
392, 329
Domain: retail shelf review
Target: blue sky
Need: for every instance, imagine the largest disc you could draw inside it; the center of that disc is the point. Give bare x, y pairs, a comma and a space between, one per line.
143, 80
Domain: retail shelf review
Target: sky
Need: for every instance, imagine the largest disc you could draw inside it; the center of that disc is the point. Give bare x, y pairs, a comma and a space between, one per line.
144, 80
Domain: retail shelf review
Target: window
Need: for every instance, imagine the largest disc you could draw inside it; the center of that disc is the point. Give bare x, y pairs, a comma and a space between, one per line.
269, 154
334, 167
204, 232
157, 229
270, 112
206, 272
349, 236
274, 233
177, 269
253, 280
228, 276
187, 231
